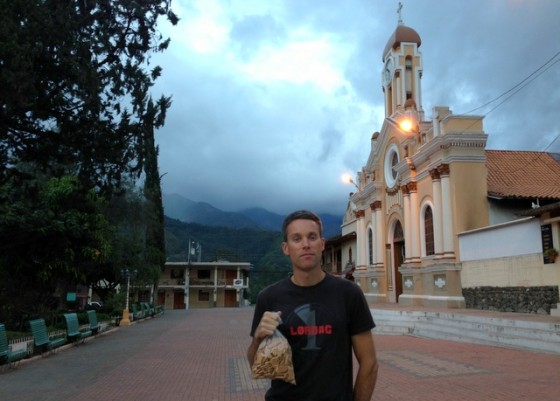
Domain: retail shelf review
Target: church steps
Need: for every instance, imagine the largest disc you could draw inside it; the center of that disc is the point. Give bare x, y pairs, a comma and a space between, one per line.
500, 331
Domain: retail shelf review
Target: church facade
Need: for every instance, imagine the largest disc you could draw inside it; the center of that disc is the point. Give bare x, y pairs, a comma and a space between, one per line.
425, 182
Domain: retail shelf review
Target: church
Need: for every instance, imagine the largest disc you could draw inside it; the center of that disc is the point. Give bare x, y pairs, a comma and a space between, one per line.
438, 220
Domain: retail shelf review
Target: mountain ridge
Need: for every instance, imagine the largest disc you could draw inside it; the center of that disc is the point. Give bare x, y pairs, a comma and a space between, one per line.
186, 210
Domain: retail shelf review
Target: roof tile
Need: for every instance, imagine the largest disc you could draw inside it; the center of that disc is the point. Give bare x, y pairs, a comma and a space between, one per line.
522, 174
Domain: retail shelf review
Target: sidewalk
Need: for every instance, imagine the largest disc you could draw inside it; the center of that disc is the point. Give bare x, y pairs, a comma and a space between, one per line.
199, 355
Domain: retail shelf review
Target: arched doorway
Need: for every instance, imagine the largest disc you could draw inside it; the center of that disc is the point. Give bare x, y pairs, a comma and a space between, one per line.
398, 258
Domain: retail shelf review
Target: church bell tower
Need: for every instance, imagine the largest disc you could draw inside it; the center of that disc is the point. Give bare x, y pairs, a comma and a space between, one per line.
402, 72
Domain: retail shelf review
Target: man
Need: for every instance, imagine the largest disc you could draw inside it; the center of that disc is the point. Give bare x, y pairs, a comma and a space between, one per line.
323, 317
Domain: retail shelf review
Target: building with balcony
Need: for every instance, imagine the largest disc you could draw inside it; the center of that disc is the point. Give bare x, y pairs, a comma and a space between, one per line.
185, 285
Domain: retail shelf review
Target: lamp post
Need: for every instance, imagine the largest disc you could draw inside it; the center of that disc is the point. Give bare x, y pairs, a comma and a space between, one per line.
347, 179
125, 321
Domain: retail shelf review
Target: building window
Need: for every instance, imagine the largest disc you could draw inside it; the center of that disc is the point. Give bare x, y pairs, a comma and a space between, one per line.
203, 295
429, 231
370, 246
203, 274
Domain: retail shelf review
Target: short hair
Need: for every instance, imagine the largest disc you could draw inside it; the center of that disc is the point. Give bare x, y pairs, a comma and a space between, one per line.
300, 215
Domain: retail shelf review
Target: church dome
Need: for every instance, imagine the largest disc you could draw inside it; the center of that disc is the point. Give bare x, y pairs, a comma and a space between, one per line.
401, 34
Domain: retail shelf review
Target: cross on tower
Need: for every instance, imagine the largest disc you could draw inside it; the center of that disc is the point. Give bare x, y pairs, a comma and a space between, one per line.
399, 10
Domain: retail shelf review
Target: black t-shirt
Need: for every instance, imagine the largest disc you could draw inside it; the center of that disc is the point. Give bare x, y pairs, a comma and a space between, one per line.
318, 322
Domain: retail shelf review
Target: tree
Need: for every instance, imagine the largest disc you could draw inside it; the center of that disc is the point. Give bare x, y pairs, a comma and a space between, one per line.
155, 232
75, 78
46, 240
74, 86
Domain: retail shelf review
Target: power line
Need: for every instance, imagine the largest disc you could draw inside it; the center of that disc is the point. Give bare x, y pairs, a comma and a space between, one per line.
516, 88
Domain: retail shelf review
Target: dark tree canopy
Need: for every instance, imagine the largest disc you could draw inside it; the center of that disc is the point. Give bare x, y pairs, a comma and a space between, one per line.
74, 82
76, 130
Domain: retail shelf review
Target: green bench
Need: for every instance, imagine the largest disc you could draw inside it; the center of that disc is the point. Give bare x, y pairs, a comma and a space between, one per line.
73, 331
94, 325
7, 355
41, 340
147, 309
136, 314
158, 308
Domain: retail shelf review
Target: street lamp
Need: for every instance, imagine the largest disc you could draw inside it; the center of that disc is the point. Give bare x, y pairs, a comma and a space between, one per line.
347, 179
128, 274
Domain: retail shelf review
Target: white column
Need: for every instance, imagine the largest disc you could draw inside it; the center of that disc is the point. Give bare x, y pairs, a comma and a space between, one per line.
406, 223
437, 213
380, 243
361, 239
447, 216
187, 287
215, 296
414, 223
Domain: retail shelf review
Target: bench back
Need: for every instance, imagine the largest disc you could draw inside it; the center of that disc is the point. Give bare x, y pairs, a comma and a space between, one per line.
72, 324
3, 342
39, 331
92, 317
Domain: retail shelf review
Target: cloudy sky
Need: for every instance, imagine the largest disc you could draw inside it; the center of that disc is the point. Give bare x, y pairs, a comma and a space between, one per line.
273, 100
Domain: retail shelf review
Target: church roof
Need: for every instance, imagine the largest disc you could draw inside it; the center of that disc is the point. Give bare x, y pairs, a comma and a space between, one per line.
523, 175
401, 34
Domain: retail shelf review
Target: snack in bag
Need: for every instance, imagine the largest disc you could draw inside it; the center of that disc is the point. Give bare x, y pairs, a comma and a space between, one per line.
273, 359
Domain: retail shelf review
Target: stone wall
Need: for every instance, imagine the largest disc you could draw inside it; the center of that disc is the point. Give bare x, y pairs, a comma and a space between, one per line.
512, 299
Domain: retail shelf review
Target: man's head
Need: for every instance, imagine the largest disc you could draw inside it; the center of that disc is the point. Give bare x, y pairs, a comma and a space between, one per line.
300, 215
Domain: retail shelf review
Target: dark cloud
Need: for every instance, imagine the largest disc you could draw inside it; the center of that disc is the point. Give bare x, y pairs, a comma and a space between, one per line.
251, 125
254, 31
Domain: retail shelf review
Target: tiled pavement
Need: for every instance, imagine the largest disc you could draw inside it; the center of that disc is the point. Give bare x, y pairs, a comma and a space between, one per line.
199, 355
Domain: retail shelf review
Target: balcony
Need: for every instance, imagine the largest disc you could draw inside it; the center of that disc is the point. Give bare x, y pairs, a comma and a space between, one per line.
172, 283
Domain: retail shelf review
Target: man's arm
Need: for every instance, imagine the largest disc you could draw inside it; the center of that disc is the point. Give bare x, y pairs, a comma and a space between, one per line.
364, 349
266, 327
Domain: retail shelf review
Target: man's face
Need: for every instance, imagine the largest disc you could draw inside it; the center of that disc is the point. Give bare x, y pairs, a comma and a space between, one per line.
304, 244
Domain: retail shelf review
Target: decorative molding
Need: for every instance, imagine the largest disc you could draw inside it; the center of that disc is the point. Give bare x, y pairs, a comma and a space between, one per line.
375, 205
392, 191
443, 170
412, 186
408, 283
434, 174
360, 213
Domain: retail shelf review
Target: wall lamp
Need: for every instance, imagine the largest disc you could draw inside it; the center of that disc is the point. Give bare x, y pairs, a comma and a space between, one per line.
347, 179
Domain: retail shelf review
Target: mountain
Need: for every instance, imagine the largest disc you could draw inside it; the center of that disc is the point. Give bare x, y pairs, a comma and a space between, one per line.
180, 208
264, 218
188, 211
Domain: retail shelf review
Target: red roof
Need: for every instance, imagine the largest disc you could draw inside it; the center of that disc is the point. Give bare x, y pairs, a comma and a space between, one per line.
520, 174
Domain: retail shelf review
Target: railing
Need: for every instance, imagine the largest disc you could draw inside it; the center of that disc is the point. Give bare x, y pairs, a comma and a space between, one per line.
172, 282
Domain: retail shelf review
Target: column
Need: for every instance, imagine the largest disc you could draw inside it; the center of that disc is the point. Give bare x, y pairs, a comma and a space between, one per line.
406, 223
380, 228
438, 236
414, 222
361, 239
447, 216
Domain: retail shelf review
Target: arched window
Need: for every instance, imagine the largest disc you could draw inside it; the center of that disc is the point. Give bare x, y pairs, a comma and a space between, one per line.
370, 246
429, 231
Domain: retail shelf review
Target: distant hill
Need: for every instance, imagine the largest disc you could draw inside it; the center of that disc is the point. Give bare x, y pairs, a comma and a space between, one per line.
180, 208
188, 211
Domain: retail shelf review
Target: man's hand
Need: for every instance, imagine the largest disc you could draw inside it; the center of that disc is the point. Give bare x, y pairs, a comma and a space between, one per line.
269, 322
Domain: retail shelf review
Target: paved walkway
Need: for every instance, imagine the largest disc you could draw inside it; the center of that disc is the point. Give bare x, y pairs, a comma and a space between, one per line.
199, 355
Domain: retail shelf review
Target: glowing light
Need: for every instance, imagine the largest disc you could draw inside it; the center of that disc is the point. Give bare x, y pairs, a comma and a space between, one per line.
347, 178
406, 125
